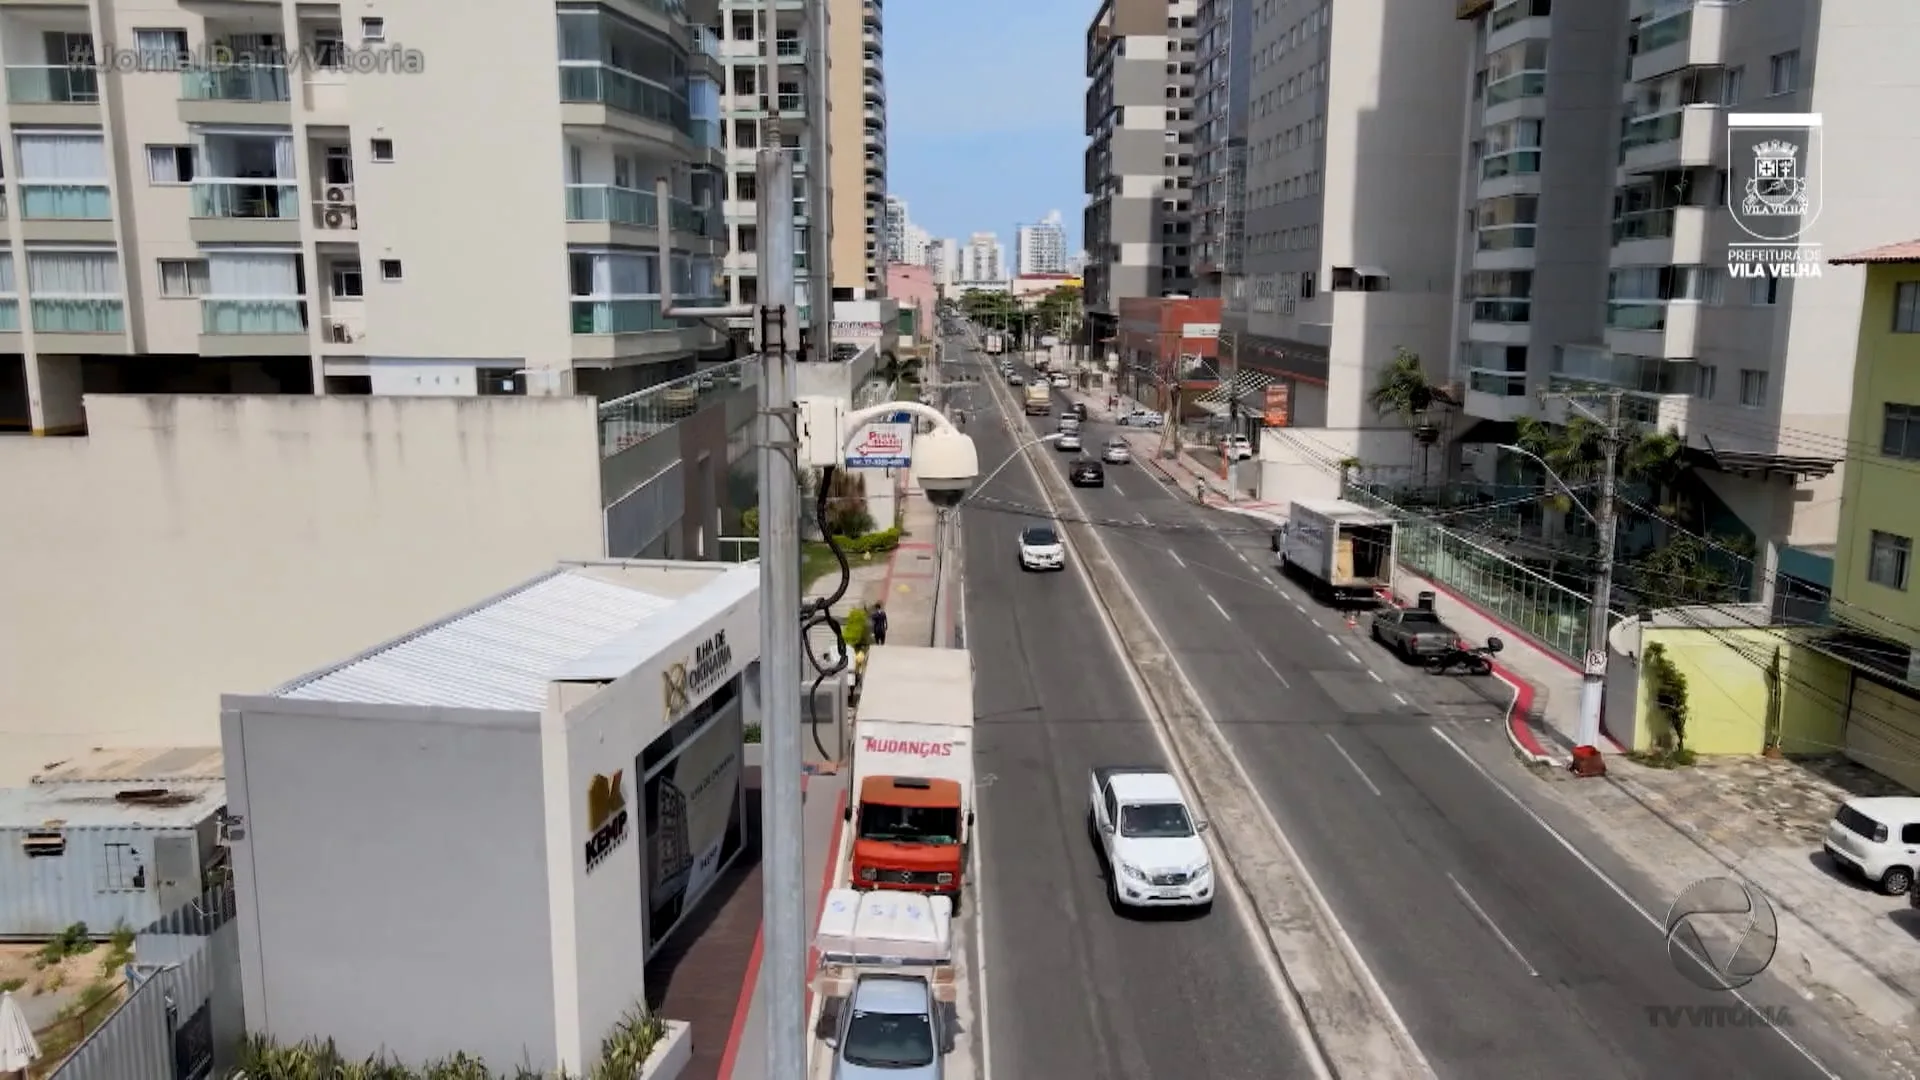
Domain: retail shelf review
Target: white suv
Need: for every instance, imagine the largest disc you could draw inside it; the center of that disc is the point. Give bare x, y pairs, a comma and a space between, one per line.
1878, 838
1149, 840
1041, 549
1237, 447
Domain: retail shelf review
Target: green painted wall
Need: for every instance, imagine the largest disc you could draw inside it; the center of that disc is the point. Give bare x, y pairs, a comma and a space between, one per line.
1732, 695
1879, 490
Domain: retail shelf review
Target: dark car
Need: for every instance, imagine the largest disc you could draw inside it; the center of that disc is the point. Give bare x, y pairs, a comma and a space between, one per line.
1078, 410
1414, 633
1088, 473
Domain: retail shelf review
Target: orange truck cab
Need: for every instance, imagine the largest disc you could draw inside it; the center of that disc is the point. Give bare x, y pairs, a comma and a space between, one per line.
912, 805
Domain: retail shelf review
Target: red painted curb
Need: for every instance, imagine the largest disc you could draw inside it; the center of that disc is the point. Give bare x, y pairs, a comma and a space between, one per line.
1519, 729
744, 1004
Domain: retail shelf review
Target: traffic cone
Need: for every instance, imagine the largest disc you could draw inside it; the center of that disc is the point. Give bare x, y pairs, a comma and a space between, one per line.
1352, 621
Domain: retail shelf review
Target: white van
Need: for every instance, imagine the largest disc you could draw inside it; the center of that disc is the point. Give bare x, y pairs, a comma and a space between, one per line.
1878, 838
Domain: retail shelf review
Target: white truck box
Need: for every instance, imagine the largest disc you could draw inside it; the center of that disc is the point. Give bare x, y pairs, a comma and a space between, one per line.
1346, 550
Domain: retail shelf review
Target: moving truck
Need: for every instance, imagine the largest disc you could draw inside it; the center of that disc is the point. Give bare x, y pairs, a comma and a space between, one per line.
1344, 550
1039, 398
912, 799
996, 344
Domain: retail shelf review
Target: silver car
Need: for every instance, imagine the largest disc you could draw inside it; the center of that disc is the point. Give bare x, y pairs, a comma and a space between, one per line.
890, 1029
1116, 452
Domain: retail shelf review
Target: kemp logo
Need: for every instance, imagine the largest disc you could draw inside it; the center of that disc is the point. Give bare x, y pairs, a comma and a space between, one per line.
606, 817
910, 747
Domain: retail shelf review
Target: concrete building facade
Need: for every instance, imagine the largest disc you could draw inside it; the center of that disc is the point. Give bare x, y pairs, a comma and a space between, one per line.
1139, 158
857, 90
1221, 68
1041, 248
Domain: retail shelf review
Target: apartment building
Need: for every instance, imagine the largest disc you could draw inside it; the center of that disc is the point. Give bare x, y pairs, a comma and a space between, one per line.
254, 198
1221, 69
1636, 98
1041, 248
893, 229
944, 255
984, 259
758, 88
1139, 158
859, 136
1353, 153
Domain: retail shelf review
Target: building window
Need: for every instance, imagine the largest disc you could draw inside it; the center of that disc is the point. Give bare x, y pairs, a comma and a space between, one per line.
1753, 388
1887, 559
1906, 308
1707, 381
382, 149
170, 164
1732, 85
1763, 291
373, 29
390, 270
345, 282
1900, 432
746, 187
1784, 72
183, 278
161, 50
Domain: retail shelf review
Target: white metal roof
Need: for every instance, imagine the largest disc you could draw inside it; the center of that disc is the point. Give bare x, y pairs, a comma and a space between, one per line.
1143, 787
499, 655
90, 804
907, 684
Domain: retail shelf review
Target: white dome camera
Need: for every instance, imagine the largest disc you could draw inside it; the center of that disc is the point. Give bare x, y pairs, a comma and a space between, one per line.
945, 466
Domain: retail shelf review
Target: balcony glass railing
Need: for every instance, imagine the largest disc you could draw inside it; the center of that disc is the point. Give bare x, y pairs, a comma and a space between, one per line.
245, 199
47, 84
792, 103
1644, 225
1668, 26
9, 314
1502, 311
237, 315
1511, 163
631, 206
704, 133
1636, 314
620, 317
79, 315
54, 200
788, 49
1497, 383
1520, 84
592, 83
253, 82
1651, 130
1506, 238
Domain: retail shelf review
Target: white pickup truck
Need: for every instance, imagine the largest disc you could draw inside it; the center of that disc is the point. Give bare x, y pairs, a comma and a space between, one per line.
1149, 840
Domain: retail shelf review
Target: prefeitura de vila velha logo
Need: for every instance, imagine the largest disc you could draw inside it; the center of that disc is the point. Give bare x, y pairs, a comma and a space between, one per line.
1774, 192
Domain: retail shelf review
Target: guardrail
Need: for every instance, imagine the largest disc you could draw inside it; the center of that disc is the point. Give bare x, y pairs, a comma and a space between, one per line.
628, 421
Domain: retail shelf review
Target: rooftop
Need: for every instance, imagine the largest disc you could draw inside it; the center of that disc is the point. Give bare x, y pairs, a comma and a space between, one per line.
502, 653
145, 765
90, 804
1907, 251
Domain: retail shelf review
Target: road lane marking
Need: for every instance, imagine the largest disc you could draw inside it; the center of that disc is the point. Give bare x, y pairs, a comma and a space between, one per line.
1617, 890
1358, 771
1481, 913
1275, 670
1375, 676
1400, 699
1218, 608
1298, 606
1330, 637
1177, 558
1243, 557
1116, 487
1143, 519
1352, 657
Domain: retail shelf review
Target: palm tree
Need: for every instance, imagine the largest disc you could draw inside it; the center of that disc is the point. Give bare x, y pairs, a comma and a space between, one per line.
1404, 391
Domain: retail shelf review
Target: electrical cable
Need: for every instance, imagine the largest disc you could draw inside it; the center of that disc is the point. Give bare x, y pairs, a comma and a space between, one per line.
819, 612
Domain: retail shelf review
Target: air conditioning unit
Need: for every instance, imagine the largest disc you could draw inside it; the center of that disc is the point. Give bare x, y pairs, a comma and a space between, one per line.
339, 194
340, 216
339, 332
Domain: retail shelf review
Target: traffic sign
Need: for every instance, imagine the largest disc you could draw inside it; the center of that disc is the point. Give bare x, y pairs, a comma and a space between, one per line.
1597, 662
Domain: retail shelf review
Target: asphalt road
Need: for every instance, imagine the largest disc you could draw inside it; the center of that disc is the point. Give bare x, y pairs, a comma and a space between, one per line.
1504, 954
1072, 990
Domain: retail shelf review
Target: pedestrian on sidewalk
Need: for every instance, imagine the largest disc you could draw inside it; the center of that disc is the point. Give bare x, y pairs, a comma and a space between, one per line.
878, 621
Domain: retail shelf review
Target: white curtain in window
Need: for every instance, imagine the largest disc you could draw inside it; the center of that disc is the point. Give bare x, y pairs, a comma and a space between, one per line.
617, 275
283, 157
7, 285
62, 157
213, 156
253, 274
73, 273
163, 165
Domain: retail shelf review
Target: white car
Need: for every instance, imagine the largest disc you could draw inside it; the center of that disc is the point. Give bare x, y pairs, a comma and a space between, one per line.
1068, 440
1041, 549
1877, 838
1149, 840
1237, 447
1116, 452
1060, 382
1015, 380
1141, 418
1070, 422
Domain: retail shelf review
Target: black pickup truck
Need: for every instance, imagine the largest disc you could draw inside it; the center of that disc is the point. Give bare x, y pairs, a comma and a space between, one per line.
1417, 634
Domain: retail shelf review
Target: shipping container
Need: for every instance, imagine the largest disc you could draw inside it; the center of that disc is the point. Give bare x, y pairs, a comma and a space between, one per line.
104, 854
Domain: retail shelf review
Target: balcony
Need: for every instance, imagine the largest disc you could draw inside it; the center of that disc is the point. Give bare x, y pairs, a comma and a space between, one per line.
876, 92
870, 38
252, 94
64, 200
791, 50
53, 94
629, 421
1674, 139
253, 326
1497, 395
1662, 329
597, 95
1675, 236
79, 315
1679, 35
793, 106
621, 208
870, 14
250, 210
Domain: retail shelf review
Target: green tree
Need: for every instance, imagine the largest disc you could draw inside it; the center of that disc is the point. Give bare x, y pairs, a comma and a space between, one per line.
1404, 391
1576, 451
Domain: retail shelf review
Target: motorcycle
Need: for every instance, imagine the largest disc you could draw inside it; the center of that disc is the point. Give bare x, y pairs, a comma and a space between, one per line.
1470, 661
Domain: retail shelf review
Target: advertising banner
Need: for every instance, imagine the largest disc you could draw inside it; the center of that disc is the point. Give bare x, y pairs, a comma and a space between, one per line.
694, 823
886, 443
1278, 405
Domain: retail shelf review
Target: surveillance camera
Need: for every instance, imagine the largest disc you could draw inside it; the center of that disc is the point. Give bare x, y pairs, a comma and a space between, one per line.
945, 465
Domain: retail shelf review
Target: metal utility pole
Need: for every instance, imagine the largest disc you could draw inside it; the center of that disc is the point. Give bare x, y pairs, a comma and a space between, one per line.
1593, 689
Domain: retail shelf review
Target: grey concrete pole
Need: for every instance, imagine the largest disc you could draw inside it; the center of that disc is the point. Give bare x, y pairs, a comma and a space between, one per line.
783, 970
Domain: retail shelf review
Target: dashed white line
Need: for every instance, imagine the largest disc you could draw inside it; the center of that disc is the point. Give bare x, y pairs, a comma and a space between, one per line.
1177, 558
1352, 657
1116, 487
1218, 608
1243, 557
1358, 771
1143, 519
1399, 699
1333, 639
1297, 605
1275, 670
1481, 913
1374, 675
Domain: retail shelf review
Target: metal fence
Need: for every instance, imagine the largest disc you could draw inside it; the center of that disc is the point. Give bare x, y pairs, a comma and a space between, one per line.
182, 1018
1550, 612
738, 549
629, 420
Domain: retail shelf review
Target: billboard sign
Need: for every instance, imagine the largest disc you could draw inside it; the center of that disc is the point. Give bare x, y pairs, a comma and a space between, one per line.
886, 443
1278, 405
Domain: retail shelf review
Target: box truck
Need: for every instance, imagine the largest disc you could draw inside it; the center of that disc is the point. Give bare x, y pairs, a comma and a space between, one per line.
911, 808
1346, 552
1039, 398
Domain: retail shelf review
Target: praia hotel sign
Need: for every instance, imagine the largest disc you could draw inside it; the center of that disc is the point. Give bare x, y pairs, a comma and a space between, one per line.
1774, 190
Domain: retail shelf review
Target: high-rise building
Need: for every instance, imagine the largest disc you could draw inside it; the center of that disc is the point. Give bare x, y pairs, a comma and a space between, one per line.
1602, 256
1139, 159
750, 91
1222, 67
983, 259
1353, 156
859, 137
916, 248
273, 228
943, 255
1041, 248
893, 229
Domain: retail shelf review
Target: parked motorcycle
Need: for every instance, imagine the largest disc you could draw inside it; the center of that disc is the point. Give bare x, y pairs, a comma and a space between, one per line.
1470, 661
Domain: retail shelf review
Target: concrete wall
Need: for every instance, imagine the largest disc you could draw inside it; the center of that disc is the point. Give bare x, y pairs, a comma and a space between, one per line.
1878, 488
1738, 682
194, 545
911, 287
394, 859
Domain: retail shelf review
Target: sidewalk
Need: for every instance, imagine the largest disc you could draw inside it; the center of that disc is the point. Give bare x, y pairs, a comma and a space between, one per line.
1185, 471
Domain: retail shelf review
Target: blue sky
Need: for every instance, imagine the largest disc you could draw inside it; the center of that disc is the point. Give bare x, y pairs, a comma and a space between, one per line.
984, 109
